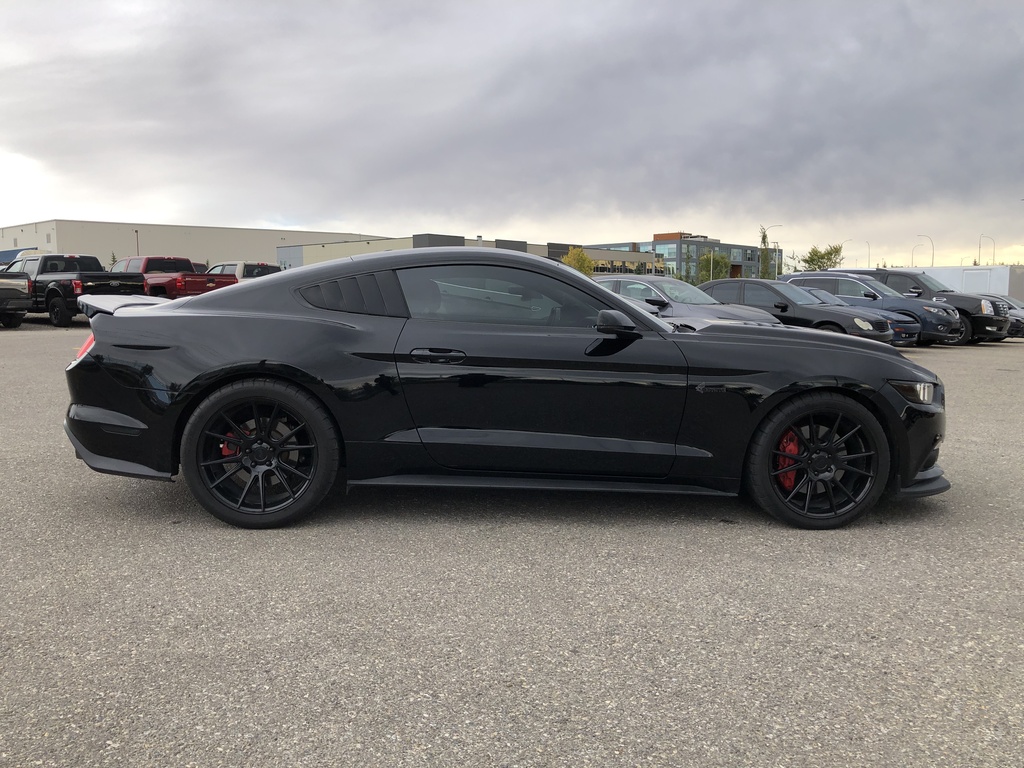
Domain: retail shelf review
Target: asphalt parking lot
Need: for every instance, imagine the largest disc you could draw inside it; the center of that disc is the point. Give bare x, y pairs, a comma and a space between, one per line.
470, 628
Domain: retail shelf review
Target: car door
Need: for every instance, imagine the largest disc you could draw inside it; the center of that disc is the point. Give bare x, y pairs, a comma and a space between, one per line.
763, 297
503, 371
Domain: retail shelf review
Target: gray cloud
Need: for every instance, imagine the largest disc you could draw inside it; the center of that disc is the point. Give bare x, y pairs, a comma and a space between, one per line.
837, 118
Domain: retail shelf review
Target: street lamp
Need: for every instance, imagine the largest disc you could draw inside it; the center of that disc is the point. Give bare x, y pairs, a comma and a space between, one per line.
993, 249
912, 253
847, 240
933, 248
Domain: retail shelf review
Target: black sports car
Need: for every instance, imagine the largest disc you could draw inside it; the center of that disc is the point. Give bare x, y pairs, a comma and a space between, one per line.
490, 368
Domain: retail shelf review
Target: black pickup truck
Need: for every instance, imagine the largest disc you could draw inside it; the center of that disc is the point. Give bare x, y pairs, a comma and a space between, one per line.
14, 298
982, 318
56, 280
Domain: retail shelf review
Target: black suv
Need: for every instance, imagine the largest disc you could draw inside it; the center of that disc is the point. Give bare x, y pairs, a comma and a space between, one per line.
982, 318
939, 321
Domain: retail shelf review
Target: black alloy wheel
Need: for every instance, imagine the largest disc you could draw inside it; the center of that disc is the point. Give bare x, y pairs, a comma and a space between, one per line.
260, 453
11, 321
60, 316
964, 335
820, 460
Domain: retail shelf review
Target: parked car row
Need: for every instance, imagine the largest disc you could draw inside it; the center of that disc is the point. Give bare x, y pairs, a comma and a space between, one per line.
860, 303
52, 283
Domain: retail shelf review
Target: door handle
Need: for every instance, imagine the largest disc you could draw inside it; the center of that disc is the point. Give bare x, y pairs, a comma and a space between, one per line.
437, 355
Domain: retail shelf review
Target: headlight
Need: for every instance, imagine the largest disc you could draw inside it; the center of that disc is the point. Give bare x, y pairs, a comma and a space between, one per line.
922, 392
864, 325
936, 310
986, 307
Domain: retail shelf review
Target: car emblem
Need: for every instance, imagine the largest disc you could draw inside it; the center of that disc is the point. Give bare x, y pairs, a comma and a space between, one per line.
115, 283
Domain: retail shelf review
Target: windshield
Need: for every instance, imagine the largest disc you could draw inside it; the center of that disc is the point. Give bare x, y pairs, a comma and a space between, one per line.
796, 294
684, 293
827, 297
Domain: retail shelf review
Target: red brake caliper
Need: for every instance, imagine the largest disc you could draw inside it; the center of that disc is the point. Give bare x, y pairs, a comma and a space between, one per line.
228, 448
788, 444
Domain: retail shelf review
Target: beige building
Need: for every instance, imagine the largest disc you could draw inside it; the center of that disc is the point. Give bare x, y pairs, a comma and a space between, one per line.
111, 241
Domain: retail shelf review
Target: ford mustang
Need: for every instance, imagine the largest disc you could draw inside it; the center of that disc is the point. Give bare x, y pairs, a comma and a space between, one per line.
489, 368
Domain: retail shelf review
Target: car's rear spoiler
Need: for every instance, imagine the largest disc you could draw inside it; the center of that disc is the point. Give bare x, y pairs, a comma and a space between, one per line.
107, 305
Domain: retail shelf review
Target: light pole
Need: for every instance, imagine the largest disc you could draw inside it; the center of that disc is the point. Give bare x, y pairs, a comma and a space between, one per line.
912, 253
993, 249
869, 256
933, 248
137, 243
847, 240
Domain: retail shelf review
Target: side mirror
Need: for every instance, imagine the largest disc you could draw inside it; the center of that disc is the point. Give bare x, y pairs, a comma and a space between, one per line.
616, 323
782, 306
657, 302
914, 292
870, 295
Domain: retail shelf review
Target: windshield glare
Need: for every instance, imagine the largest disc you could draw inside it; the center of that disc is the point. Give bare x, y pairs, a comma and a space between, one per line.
931, 282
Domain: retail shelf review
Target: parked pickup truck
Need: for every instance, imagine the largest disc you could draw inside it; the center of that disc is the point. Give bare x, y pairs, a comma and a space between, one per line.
15, 300
172, 276
56, 280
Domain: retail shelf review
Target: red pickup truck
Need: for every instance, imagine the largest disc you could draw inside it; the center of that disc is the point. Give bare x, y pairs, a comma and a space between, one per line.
172, 276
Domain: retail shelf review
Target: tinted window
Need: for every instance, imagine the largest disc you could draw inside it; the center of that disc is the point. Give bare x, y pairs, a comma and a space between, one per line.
901, 283
727, 293
483, 294
848, 287
258, 270
825, 283
168, 265
360, 294
759, 295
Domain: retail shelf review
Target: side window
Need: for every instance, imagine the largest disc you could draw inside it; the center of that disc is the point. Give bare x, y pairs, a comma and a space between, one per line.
15, 266
847, 287
31, 267
638, 290
759, 296
727, 293
901, 283
134, 265
501, 295
119, 266
825, 283
215, 270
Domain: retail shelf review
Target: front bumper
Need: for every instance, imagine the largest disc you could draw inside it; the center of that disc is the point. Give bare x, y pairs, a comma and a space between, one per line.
927, 482
989, 326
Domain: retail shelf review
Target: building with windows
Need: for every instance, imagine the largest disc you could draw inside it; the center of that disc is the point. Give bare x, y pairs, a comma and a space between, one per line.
679, 254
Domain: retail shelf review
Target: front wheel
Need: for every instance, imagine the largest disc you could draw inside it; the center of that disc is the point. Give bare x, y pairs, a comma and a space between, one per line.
260, 453
831, 328
820, 460
964, 335
60, 315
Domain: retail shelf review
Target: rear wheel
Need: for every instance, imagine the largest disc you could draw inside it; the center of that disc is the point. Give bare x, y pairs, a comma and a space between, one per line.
260, 453
818, 461
60, 315
11, 321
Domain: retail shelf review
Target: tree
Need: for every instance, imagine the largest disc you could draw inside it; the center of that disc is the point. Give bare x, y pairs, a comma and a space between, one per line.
765, 260
577, 259
818, 259
113, 258
713, 266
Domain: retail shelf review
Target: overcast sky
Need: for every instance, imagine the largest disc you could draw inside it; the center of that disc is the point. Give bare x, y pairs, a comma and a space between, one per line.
871, 121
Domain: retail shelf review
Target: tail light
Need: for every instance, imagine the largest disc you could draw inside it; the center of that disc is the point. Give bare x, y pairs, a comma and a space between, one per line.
87, 347
76, 285
31, 287
179, 283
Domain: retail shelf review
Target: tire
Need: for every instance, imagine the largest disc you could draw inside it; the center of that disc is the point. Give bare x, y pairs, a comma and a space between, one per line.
818, 461
966, 332
60, 315
260, 453
11, 321
830, 327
